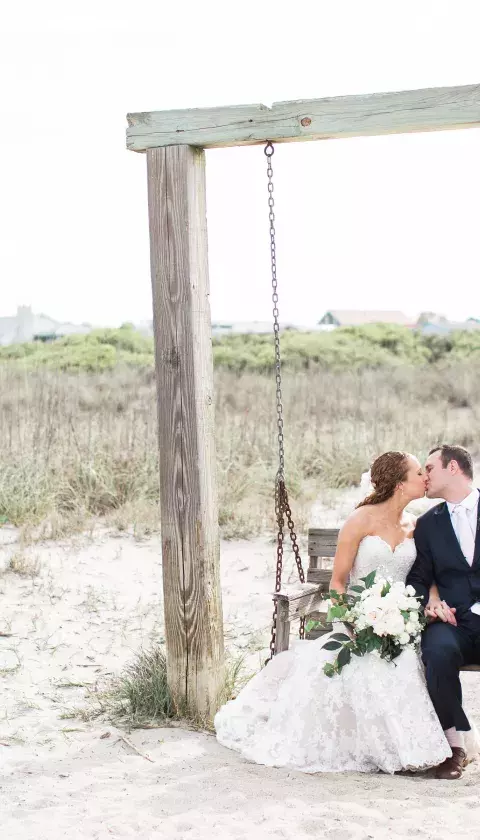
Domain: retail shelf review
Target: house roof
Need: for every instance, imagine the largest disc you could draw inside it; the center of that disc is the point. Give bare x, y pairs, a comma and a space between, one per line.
356, 317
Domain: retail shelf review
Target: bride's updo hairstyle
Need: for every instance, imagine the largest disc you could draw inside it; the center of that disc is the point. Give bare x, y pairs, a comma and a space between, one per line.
387, 471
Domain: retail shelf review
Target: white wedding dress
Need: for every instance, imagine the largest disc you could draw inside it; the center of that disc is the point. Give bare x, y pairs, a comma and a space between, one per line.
375, 715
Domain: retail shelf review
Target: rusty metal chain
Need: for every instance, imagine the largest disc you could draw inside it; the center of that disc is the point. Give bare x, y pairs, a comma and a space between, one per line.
269, 150
282, 506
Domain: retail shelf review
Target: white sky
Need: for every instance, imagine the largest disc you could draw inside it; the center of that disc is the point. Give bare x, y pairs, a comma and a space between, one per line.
387, 223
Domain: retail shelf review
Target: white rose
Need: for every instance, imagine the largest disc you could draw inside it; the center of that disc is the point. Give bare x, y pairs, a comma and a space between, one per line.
410, 590
373, 602
404, 638
390, 624
395, 624
397, 599
410, 627
404, 602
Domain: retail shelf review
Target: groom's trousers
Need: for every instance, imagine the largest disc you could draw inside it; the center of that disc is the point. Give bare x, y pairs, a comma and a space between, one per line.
445, 649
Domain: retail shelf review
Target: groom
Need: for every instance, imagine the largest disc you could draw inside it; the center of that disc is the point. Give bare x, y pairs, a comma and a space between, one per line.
447, 538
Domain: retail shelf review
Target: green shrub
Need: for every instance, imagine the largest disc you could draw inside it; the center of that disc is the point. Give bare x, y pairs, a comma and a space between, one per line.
372, 346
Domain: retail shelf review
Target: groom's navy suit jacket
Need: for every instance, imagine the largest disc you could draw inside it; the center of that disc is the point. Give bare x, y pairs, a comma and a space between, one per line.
440, 559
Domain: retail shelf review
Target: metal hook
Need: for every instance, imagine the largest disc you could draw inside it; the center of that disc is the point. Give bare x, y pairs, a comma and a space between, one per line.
269, 150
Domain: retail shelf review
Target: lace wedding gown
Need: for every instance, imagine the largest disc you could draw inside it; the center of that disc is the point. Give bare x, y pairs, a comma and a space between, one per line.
375, 715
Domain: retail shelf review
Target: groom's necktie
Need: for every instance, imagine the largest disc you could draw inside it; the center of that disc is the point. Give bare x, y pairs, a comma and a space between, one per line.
464, 532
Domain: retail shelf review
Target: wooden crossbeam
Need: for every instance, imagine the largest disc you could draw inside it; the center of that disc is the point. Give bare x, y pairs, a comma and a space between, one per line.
430, 109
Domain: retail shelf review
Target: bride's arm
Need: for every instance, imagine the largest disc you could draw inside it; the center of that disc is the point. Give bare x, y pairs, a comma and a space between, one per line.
353, 531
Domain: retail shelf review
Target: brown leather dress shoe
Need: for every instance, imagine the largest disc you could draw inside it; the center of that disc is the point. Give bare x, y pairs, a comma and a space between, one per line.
452, 768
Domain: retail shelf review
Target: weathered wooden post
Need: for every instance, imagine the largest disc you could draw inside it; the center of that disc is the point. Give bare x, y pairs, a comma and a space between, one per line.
188, 494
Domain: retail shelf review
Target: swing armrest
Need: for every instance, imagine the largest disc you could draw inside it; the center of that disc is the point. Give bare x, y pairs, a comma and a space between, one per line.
306, 598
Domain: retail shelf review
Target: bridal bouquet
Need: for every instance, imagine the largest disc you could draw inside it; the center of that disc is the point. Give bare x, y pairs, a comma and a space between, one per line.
380, 616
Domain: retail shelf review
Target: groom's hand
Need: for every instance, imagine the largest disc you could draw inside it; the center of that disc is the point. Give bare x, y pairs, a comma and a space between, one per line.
440, 611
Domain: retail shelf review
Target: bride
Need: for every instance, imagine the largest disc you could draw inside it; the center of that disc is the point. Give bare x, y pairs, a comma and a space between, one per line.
374, 715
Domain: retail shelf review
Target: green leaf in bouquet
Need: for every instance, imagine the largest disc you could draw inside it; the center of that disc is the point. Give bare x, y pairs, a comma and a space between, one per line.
332, 645
344, 656
386, 589
357, 588
336, 612
329, 670
373, 643
405, 614
313, 625
340, 637
370, 579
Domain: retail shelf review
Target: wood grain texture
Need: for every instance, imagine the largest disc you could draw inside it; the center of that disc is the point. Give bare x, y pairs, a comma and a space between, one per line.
320, 577
282, 635
303, 602
188, 494
429, 109
322, 542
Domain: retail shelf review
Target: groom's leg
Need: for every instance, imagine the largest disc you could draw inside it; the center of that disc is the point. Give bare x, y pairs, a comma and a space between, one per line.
445, 648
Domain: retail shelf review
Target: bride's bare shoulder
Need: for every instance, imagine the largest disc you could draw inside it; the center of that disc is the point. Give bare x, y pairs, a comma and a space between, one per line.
365, 513
359, 522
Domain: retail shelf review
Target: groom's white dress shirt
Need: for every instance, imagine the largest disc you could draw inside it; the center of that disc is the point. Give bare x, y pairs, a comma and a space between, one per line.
464, 521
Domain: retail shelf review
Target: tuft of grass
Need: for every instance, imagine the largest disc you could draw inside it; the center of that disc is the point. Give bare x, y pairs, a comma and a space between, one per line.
140, 696
235, 678
24, 565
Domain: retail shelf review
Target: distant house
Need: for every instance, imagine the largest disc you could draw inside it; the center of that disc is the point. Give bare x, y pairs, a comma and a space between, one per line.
246, 328
444, 327
27, 326
359, 317
431, 323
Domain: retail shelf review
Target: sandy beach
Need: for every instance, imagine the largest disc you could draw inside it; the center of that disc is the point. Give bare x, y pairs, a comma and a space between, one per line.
88, 607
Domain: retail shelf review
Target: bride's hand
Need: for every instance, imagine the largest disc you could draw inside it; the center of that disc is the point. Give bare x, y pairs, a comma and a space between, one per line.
439, 610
